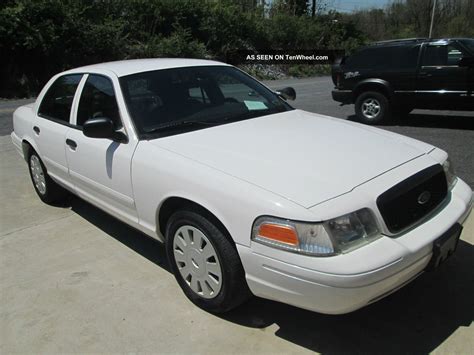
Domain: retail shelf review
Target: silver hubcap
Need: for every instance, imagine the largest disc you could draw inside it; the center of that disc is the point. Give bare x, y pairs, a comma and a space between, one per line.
197, 261
370, 108
38, 174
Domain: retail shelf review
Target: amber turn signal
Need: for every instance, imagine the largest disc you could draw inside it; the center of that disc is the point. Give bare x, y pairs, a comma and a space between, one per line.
279, 233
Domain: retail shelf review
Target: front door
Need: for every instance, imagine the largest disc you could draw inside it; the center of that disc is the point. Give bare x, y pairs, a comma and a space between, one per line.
441, 82
100, 168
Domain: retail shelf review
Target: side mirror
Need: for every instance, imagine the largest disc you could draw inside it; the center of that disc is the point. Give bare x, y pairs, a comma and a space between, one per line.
102, 127
466, 62
287, 93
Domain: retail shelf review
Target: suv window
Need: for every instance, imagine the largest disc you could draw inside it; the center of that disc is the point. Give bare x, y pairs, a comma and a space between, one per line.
454, 55
441, 55
382, 58
98, 100
469, 44
57, 101
408, 57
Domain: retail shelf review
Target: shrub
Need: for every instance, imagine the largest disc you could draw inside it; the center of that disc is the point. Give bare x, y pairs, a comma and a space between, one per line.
39, 38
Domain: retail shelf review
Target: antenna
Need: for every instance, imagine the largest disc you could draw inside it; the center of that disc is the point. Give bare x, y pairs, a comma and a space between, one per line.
432, 19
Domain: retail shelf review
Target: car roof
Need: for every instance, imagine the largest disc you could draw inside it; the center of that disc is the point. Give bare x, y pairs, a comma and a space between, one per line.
398, 41
133, 66
408, 41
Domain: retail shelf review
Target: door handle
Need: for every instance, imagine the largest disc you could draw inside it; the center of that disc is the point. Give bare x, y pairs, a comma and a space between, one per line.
36, 129
71, 144
425, 74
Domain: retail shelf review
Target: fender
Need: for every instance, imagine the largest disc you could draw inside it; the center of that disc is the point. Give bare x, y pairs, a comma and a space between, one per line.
196, 199
374, 82
28, 140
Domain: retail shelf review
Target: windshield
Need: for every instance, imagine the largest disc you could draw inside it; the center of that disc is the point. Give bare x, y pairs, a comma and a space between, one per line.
183, 99
469, 43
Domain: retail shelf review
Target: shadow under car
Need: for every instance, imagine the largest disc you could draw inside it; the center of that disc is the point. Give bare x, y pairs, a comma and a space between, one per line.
415, 319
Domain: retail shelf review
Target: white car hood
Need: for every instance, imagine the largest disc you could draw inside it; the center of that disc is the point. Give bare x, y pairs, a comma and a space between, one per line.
304, 157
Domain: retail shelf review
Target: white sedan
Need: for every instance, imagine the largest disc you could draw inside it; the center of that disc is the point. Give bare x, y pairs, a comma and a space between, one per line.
249, 195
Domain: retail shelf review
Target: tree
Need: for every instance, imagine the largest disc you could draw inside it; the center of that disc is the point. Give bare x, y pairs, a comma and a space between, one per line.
291, 7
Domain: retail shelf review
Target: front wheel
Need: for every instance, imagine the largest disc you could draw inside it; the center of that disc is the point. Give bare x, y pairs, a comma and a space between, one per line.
205, 262
372, 108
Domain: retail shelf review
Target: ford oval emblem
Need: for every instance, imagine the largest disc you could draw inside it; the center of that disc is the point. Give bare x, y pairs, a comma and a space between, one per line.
424, 197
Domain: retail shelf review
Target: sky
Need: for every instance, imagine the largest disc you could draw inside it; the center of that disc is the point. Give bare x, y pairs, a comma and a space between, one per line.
351, 5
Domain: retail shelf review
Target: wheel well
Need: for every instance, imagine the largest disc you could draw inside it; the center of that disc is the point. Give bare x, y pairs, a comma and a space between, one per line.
27, 147
380, 88
174, 204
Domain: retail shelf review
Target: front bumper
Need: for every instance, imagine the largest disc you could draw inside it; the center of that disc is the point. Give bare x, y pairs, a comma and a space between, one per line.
342, 96
381, 267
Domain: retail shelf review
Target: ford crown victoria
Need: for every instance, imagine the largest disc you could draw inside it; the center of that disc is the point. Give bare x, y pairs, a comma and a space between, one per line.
249, 195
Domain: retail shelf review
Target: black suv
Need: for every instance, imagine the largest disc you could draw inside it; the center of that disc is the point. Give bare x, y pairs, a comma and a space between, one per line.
389, 79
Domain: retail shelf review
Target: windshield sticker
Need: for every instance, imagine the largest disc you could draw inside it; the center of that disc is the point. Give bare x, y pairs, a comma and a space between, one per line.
255, 105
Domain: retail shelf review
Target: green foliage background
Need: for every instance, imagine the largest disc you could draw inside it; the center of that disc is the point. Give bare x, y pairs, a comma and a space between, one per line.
39, 38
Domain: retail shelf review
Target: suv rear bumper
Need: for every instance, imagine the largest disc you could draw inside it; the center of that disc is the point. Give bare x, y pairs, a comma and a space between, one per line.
343, 96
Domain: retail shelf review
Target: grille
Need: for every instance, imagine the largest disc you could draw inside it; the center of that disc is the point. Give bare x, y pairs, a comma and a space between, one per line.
412, 199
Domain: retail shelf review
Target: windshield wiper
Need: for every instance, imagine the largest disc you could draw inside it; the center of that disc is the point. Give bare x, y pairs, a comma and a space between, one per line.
179, 124
190, 123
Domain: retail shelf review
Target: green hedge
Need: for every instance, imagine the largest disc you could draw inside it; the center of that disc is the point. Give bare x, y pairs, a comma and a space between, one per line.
39, 38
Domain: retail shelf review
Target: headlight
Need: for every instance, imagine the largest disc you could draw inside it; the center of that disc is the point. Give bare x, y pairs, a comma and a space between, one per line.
353, 230
451, 177
338, 235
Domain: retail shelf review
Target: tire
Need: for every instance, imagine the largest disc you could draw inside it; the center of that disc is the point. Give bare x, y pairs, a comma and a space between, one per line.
205, 262
373, 108
46, 189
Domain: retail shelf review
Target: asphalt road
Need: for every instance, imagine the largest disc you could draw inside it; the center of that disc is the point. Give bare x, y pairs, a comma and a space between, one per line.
74, 279
448, 130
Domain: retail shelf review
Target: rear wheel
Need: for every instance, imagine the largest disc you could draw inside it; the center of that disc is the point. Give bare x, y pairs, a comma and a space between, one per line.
47, 190
205, 262
372, 108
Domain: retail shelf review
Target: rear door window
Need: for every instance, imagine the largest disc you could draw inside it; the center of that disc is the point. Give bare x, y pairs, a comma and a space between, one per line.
435, 55
385, 58
407, 57
57, 102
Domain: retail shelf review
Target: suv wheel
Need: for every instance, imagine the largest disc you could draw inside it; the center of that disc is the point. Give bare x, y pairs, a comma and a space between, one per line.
205, 262
372, 108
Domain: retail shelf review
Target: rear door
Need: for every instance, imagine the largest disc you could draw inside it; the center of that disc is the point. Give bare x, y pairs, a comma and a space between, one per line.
441, 82
52, 124
100, 168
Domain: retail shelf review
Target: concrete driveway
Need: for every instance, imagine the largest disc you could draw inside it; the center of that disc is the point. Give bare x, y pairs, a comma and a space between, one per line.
73, 279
